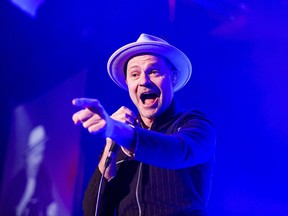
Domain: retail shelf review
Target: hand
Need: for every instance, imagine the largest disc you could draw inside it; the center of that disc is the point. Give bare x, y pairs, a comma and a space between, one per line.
93, 116
125, 115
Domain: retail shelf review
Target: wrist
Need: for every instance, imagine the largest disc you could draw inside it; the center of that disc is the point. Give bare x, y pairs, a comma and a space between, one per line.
122, 134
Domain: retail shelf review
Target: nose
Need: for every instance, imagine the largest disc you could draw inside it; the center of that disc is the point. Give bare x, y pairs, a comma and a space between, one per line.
144, 79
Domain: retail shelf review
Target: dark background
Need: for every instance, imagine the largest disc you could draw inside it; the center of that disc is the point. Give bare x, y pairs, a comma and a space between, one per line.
239, 55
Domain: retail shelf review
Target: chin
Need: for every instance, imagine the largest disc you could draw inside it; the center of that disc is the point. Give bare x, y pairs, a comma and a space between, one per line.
151, 114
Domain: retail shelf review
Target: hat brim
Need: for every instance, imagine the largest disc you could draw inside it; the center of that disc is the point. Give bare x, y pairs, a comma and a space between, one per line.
180, 61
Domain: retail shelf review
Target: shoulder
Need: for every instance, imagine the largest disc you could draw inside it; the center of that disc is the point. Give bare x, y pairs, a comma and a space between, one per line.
192, 119
193, 116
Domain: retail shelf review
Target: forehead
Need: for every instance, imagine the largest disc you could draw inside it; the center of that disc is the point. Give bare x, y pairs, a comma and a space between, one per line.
147, 59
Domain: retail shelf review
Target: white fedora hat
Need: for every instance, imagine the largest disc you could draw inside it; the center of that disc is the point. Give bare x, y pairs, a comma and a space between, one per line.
153, 45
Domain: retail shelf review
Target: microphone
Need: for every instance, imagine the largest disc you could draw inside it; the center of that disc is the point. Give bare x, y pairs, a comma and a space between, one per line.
112, 150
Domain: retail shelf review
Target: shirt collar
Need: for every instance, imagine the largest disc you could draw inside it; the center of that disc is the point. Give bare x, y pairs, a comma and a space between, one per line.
165, 119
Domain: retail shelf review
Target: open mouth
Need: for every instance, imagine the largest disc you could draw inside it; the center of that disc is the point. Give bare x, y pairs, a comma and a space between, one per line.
148, 97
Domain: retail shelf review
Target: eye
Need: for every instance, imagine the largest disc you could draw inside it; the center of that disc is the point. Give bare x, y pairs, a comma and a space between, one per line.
134, 74
154, 72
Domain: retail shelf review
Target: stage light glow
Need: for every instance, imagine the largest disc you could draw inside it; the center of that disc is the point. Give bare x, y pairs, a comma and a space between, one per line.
28, 6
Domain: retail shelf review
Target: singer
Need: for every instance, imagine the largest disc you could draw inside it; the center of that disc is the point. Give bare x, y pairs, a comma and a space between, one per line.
163, 165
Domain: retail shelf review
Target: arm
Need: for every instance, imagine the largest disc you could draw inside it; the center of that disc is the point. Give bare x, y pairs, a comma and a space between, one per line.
116, 128
193, 144
94, 117
108, 196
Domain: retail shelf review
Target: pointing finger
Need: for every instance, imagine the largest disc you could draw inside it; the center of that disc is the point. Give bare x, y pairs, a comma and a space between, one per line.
85, 102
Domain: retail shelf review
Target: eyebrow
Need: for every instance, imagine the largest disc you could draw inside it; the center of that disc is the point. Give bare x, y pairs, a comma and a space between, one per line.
154, 64
134, 66
170, 65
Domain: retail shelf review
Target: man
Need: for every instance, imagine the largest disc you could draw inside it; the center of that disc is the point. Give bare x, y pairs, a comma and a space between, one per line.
164, 164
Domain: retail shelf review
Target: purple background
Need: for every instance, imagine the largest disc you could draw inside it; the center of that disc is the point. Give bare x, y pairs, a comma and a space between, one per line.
239, 55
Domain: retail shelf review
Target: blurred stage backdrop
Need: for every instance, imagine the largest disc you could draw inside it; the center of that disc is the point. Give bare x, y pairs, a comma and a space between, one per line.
52, 51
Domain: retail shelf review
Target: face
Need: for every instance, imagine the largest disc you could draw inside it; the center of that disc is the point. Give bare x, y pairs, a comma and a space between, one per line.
149, 80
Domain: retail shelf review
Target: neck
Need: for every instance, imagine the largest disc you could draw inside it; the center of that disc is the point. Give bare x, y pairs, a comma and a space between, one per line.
147, 122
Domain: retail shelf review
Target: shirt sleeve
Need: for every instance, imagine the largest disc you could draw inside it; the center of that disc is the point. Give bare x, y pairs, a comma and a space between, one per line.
192, 143
107, 202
